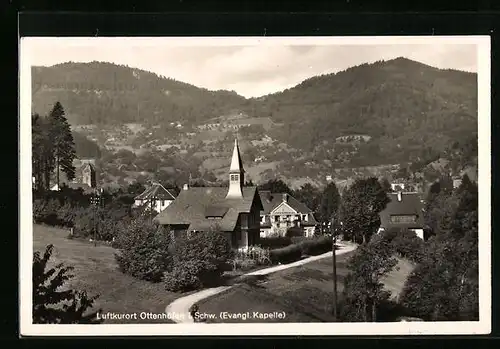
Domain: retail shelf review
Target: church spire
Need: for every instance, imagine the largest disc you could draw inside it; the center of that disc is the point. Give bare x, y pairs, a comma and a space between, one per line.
236, 173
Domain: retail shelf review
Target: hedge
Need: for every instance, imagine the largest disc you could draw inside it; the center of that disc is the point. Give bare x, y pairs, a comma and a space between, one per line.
286, 254
275, 242
314, 247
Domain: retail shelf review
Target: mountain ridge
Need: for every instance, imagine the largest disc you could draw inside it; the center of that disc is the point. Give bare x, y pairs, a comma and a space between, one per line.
386, 112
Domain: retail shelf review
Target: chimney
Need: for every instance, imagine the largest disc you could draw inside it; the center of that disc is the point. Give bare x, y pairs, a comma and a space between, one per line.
400, 196
185, 187
285, 197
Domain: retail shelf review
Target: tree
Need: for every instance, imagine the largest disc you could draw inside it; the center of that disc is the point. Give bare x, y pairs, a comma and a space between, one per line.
42, 152
144, 250
360, 211
309, 195
384, 182
51, 306
329, 203
363, 291
445, 285
64, 146
276, 186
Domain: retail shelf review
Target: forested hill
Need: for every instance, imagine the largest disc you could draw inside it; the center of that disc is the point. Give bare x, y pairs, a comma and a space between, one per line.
105, 93
388, 112
403, 104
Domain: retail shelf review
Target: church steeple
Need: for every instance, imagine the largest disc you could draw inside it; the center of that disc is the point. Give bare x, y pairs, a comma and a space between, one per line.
236, 174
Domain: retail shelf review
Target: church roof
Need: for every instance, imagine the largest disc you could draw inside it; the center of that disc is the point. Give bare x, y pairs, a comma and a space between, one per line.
202, 208
410, 204
156, 191
236, 163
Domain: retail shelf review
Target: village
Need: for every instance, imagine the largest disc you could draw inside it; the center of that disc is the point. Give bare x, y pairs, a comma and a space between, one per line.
343, 194
264, 231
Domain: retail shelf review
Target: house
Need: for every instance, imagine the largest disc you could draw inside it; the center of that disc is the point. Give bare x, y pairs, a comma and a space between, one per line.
85, 177
282, 211
234, 210
156, 197
404, 211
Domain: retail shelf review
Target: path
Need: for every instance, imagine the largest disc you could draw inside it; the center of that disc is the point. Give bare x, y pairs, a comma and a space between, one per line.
179, 309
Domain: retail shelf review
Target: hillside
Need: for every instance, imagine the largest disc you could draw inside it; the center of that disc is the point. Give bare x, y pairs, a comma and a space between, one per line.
105, 93
367, 120
404, 106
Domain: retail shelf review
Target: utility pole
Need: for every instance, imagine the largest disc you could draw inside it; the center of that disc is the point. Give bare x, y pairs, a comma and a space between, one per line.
334, 260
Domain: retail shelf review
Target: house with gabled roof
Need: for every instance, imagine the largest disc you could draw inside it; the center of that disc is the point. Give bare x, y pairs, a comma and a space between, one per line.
234, 210
156, 198
404, 211
281, 212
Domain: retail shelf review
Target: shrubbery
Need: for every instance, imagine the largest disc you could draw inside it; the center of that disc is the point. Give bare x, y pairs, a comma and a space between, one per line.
405, 243
286, 254
316, 246
273, 242
144, 251
295, 232
199, 260
252, 257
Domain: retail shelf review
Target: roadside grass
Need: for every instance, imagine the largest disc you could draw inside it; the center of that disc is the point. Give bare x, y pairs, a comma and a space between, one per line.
303, 293
96, 272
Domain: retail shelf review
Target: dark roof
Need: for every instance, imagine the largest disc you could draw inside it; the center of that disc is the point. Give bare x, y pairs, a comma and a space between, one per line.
192, 205
409, 205
156, 191
215, 211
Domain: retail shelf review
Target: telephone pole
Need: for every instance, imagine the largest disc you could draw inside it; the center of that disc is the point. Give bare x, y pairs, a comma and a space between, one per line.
334, 260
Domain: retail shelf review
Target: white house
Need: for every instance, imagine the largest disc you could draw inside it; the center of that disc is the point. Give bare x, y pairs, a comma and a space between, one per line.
156, 197
283, 211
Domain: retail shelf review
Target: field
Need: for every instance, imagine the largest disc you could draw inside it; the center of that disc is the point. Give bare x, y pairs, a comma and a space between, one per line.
303, 293
96, 272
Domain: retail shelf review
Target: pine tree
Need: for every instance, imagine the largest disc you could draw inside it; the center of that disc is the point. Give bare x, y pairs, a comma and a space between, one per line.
64, 146
54, 306
42, 152
329, 204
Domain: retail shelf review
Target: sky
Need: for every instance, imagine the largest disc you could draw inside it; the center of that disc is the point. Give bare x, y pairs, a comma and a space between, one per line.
252, 67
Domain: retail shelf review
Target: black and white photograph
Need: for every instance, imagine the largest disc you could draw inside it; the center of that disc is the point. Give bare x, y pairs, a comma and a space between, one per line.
260, 186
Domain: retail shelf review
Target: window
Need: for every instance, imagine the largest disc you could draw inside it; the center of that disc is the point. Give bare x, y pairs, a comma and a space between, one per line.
234, 177
403, 219
304, 217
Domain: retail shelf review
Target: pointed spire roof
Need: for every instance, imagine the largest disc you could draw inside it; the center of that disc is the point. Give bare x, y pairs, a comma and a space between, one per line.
236, 163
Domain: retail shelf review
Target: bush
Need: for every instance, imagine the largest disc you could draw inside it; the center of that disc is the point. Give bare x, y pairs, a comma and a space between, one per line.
275, 242
54, 306
46, 212
316, 246
144, 251
295, 232
199, 259
252, 257
244, 263
286, 254
405, 243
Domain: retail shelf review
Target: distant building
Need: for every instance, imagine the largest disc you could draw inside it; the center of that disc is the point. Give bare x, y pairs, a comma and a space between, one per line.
404, 211
85, 177
457, 182
397, 186
233, 210
155, 197
282, 211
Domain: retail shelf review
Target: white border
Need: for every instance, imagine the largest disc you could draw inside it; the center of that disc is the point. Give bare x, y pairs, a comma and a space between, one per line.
401, 328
